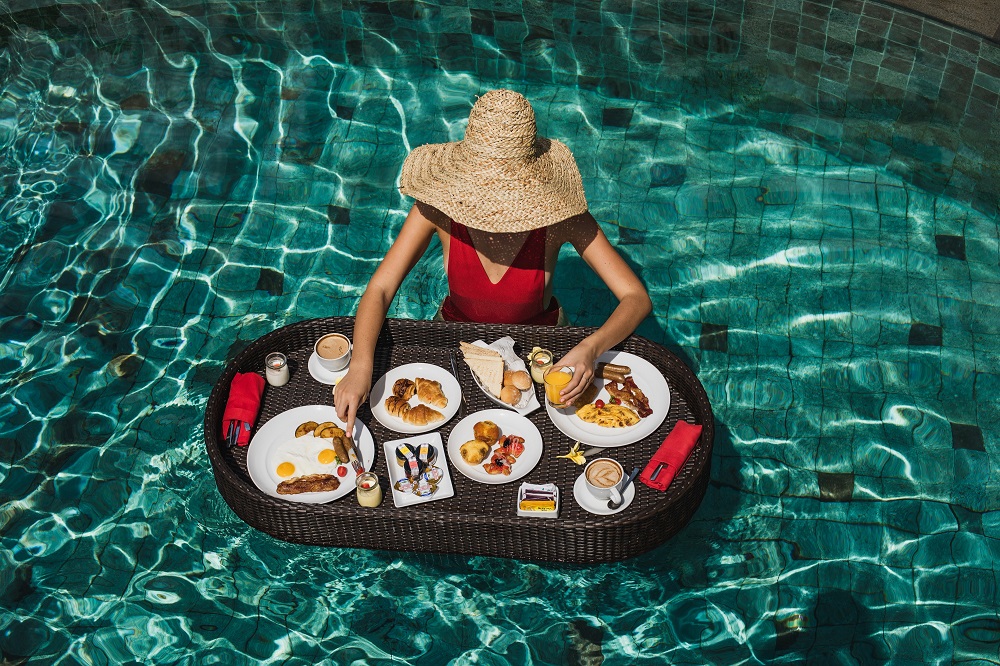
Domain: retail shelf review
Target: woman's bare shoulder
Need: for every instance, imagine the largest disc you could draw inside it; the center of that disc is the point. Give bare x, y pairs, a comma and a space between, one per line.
431, 215
579, 230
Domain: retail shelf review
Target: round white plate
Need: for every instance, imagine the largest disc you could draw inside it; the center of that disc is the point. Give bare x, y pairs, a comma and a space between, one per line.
281, 429
599, 506
383, 389
509, 424
647, 378
321, 374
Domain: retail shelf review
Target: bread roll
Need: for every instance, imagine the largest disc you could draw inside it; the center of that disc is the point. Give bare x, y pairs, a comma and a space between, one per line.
474, 451
511, 395
517, 378
486, 431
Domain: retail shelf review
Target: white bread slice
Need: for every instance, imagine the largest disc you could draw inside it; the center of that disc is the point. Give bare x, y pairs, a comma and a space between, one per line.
489, 371
477, 351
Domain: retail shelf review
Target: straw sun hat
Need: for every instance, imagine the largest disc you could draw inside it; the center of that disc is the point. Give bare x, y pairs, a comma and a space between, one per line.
502, 177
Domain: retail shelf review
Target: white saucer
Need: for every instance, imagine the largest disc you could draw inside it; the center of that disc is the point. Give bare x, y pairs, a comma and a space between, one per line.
322, 375
594, 505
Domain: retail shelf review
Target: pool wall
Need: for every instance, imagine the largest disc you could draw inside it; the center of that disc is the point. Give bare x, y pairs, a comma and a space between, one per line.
864, 80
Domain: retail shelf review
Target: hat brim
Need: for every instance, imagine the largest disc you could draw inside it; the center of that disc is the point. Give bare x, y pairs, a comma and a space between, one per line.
502, 196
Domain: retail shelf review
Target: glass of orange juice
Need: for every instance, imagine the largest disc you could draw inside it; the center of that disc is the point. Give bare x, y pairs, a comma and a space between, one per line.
556, 379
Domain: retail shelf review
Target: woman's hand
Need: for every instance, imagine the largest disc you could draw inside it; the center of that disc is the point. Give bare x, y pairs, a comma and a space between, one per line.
349, 394
582, 359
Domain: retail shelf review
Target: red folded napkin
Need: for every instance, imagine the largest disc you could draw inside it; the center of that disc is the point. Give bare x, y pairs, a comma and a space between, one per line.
673, 453
243, 405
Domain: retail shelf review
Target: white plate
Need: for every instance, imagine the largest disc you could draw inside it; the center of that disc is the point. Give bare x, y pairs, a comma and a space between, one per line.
529, 402
281, 429
590, 503
321, 374
383, 389
445, 486
509, 424
647, 378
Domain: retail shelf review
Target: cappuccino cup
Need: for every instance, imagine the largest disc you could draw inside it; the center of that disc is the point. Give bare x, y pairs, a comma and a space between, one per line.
603, 475
333, 351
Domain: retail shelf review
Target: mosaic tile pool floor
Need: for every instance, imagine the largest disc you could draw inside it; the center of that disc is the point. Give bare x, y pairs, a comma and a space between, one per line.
163, 205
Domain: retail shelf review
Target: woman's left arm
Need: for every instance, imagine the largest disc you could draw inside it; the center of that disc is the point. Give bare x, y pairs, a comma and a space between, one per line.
633, 301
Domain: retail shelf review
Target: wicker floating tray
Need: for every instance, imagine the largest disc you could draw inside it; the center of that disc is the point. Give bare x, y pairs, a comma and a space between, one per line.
480, 519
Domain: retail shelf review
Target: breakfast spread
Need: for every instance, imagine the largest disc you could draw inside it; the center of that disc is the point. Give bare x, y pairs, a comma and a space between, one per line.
487, 435
627, 403
607, 416
420, 476
311, 483
511, 447
427, 391
629, 394
314, 460
474, 451
505, 383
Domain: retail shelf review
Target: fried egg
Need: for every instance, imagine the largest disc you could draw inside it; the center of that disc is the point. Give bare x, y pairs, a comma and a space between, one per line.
302, 456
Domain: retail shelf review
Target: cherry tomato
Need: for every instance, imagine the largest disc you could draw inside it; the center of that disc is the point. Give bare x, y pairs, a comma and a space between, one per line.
615, 401
599, 404
341, 471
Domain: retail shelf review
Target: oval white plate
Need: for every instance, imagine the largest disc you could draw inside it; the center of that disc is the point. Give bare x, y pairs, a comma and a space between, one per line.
509, 424
647, 378
383, 389
280, 429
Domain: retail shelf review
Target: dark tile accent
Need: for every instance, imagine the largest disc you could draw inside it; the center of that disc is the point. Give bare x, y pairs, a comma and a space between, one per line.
951, 246
629, 236
662, 174
925, 335
271, 281
345, 112
786, 633
338, 214
714, 337
617, 117
968, 521
482, 22
835, 486
965, 436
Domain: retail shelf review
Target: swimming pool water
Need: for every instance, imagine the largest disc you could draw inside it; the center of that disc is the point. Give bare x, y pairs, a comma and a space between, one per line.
168, 200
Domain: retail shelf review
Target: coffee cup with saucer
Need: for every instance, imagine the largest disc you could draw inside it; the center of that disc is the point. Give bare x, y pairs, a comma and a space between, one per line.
330, 359
599, 483
322, 375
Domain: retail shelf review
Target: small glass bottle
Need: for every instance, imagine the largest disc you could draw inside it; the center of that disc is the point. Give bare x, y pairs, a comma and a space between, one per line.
539, 360
276, 369
369, 490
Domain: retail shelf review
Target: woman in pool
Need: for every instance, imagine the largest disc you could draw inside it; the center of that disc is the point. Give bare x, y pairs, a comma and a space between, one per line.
503, 201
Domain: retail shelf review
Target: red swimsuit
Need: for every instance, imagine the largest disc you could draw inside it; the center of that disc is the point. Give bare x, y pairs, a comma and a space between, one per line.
515, 299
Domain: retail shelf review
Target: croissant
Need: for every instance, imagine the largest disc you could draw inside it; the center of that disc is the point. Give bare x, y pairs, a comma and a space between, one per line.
429, 392
422, 415
404, 388
396, 406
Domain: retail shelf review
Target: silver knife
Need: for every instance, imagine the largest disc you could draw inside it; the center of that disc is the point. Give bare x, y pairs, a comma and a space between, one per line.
454, 371
593, 451
354, 455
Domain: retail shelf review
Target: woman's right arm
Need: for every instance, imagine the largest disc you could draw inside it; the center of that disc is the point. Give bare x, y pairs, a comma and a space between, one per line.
406, 250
